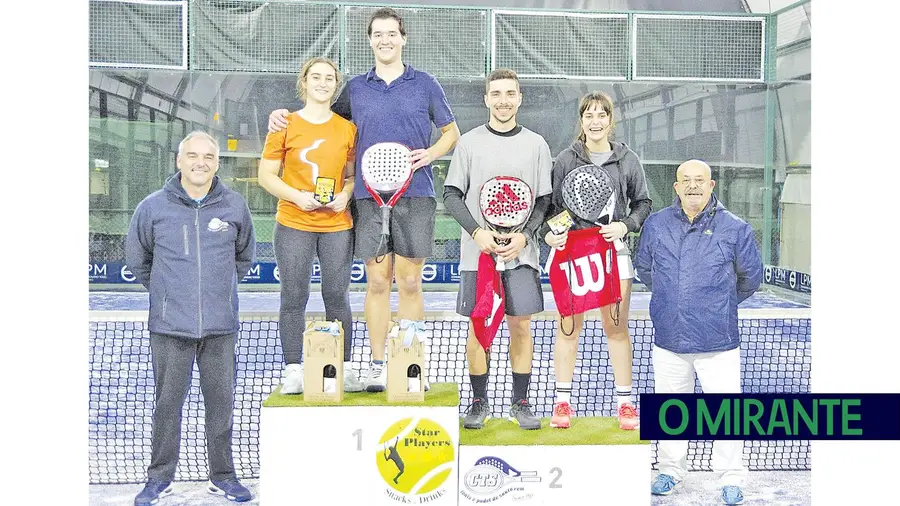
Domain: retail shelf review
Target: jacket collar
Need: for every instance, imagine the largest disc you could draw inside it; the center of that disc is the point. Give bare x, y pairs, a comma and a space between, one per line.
712, 207
174, 189
584, 158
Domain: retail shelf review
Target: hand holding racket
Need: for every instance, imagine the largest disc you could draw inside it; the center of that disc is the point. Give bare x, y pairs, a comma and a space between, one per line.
386, 169
506, 203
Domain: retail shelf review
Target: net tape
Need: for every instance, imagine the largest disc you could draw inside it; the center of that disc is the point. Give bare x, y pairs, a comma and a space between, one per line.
506, 201
386, 166
588, 193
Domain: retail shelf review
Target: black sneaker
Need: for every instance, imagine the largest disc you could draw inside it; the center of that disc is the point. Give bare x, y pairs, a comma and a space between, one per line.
153, 491
231, 488
521, 413
477, 413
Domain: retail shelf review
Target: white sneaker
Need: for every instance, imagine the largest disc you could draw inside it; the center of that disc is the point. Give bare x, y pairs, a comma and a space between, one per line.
376, 382
292, 379
351, 381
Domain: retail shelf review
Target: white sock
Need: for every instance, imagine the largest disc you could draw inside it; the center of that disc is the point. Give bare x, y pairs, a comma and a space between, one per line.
563, 391
623, 395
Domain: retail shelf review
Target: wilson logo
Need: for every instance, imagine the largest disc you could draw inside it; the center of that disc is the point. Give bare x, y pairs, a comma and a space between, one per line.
589, 281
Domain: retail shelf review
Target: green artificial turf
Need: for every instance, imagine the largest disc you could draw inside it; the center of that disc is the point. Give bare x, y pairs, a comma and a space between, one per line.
584, 431
440, 394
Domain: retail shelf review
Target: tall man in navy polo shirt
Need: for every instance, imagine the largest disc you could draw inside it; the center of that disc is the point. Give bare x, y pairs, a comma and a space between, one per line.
393, 102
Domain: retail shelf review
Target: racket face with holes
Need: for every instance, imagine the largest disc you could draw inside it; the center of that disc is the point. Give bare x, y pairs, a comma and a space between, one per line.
506, 202
386, 167
588, 193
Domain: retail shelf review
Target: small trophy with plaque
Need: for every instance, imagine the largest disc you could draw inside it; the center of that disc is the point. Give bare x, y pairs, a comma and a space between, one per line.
325, 189
561, 222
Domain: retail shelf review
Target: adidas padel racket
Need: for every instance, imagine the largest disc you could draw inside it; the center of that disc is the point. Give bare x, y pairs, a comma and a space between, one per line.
506, 203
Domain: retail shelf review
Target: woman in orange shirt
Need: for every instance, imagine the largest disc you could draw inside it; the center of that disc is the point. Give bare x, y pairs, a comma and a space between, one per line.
316, 150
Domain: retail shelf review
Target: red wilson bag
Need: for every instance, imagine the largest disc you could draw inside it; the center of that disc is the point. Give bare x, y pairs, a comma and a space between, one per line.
585, 274
490, 301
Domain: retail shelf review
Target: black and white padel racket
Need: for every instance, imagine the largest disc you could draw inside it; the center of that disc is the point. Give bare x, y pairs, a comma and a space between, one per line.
386, 170
506, 203
588, 193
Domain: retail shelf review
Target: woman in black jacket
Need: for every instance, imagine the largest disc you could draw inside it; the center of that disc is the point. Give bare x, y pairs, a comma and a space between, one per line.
592, 146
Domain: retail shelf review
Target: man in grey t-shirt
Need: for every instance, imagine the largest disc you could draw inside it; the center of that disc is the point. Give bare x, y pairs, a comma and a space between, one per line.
500, 148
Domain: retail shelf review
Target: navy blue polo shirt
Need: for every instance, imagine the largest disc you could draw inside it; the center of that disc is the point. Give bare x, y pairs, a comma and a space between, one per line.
401, 112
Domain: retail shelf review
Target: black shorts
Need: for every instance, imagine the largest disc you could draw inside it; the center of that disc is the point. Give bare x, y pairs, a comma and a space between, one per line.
521, 287
412, 228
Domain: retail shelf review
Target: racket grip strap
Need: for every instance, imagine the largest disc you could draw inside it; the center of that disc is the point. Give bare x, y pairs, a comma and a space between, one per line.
385, 220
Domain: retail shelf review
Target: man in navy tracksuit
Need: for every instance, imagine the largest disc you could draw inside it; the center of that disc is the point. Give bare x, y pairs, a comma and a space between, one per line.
699, 261
189, 244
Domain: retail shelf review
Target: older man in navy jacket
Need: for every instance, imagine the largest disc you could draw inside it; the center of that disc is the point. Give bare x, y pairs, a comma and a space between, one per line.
189, 244
699, 261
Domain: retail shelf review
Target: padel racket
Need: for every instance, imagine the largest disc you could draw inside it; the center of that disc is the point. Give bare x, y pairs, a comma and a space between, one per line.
386, 170
506, 203
588, 193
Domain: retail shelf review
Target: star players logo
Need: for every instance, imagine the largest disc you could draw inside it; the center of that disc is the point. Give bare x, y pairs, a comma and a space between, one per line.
415, 457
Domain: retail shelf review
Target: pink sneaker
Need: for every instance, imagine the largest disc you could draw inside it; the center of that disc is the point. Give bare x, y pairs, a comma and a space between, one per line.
628, 417
562, 412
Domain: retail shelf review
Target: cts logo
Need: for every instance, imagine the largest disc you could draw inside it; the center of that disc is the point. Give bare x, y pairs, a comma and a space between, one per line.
490, 474
793, 279
768, 274
275, 273
588, 283
217, 225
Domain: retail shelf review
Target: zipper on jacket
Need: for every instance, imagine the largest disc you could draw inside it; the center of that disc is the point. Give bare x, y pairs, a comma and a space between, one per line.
165, 303
187, 250
199, 283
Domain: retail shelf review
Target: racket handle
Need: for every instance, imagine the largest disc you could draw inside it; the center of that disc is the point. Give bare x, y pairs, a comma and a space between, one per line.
385, 220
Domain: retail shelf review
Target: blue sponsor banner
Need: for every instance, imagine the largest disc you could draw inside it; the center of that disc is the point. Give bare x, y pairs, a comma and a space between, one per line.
871, 417
267, 273
786, 278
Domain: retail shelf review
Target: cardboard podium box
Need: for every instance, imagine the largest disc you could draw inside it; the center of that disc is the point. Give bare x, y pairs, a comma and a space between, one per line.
323, 350
406, 367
